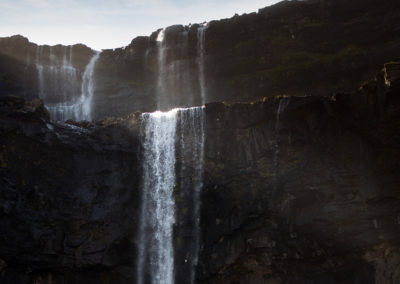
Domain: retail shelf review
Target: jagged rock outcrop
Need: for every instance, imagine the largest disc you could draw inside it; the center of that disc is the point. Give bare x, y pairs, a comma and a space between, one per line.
296, 190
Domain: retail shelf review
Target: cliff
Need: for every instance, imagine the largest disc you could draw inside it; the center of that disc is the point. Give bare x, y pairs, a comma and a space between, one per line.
303, 189
313, 47
299, 182
291, 48
296, 190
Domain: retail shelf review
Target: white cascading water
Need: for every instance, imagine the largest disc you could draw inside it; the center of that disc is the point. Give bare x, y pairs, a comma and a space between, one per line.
87, 90
56, 76
192, 129
201, 36
39, 67
156, 263
175, 75
156, 250
60, 77
161, 59
158, 206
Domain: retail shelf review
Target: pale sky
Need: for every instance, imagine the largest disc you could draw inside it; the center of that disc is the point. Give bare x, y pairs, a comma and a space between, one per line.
103, 24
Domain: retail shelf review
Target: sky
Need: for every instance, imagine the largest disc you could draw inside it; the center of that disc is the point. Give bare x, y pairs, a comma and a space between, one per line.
103, 24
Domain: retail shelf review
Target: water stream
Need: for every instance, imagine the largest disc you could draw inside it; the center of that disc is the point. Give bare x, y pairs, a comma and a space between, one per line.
156, 262
66, 93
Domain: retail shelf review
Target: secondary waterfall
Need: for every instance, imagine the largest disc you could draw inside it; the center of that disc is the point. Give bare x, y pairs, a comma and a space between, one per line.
161, 60
56, 73
60, 83
192, 127
201, 36
282, 105
177, 79
156, 262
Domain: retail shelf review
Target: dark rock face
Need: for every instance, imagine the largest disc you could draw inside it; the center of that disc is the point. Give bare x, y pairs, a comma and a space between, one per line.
69, 197
304, 189
296, 190
300, 48
16, 76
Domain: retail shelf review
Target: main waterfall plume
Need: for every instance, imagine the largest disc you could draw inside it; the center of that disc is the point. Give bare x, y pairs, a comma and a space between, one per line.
201, 37
158, 214
157, 217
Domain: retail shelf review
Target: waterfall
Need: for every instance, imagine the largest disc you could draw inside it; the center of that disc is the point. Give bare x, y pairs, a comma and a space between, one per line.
158, 213
169, 233
155, 241
201, 36
56, 76
177, 75
161, 60
283, 104
192, 122
87, 90
59, 84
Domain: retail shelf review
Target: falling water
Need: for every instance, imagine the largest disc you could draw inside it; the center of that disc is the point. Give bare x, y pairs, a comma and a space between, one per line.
88, 85
156, 261
158, 213
201, 35
176, 73
58, 85
161, 59
56, 76
283, 104
156, 250
192, 159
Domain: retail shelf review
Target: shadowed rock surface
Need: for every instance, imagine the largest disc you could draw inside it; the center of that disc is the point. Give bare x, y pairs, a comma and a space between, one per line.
296, 190
304, 189
69, 197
